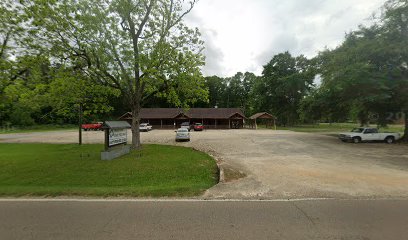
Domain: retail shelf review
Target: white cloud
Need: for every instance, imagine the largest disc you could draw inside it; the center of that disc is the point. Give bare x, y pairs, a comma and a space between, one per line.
243, 35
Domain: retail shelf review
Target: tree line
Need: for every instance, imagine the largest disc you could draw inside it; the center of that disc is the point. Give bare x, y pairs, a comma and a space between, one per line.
119, 56
364, 79
284, 83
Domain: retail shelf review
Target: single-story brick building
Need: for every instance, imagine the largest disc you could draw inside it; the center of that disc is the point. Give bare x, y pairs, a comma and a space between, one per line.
211, 118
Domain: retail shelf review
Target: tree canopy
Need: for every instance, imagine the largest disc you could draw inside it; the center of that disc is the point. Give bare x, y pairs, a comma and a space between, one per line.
140, 47
285, 81
367, 75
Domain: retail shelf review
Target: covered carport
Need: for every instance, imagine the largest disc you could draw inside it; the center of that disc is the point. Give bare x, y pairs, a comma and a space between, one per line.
262, 118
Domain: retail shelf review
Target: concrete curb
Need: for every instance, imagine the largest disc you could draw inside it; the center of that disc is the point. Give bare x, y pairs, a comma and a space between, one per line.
221, 173
221, 176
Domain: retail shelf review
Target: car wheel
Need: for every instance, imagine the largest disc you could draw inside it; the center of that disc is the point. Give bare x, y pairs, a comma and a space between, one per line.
344, 140
389, 140
356, 139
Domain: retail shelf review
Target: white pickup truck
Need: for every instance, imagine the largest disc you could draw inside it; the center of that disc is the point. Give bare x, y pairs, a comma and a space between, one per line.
368, 134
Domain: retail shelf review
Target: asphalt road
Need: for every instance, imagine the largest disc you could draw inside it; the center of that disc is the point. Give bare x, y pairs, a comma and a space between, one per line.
309, 219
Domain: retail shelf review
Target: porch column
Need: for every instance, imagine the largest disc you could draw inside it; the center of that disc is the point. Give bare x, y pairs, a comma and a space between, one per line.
229, 123
215, 123
256, 126
161, 123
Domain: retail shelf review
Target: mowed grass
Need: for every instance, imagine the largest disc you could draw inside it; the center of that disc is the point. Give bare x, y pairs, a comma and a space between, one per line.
338, 127
36, 128
57, 169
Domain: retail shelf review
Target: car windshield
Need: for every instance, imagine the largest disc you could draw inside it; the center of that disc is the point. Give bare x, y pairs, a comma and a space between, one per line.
182, 130
357, 130
198, 124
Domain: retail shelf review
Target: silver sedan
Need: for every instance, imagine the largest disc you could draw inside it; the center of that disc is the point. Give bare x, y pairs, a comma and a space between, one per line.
182, 134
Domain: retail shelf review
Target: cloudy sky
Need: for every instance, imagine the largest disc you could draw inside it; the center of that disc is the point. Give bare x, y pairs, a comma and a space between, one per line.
243, 35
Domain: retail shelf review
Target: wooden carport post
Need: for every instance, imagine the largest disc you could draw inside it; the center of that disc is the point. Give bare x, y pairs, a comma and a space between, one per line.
274, 123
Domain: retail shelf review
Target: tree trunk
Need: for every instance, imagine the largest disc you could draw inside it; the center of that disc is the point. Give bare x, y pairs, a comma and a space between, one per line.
382, 120
135, 126
405, 137
363, 118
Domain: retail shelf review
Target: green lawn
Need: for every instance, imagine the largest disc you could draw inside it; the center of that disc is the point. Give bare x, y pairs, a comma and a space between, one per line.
337, 127
57, 169
36, 128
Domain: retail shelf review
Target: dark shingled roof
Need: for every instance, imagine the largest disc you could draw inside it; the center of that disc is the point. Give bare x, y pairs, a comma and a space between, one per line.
170, 113
262, 115
152, 113
214, 113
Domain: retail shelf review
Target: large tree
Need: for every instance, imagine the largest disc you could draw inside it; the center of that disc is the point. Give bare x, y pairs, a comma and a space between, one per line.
324, 104
141, 47
10, 33
216, 91
369, 70
355, 72
284, 83
394, 39
239, 91
235, 91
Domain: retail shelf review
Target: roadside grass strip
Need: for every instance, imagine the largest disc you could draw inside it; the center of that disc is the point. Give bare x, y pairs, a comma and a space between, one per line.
72, 170
36, 128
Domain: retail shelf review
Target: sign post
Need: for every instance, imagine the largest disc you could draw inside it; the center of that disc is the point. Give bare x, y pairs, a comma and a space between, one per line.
115, 139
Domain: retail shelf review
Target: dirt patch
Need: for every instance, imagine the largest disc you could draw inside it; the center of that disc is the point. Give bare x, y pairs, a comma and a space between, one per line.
232, 174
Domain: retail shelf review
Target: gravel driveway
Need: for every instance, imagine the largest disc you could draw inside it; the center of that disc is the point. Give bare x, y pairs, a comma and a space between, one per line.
281, 164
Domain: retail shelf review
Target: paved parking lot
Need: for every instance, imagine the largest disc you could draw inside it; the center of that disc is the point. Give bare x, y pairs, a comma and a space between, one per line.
281, 164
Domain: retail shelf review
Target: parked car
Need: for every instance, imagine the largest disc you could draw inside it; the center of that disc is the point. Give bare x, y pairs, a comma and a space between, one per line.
186, 125
92, 126
145, 127
182, 134
368, 134
198, 127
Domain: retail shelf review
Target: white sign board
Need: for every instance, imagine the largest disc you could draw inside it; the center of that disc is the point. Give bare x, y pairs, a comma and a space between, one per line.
117, 136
